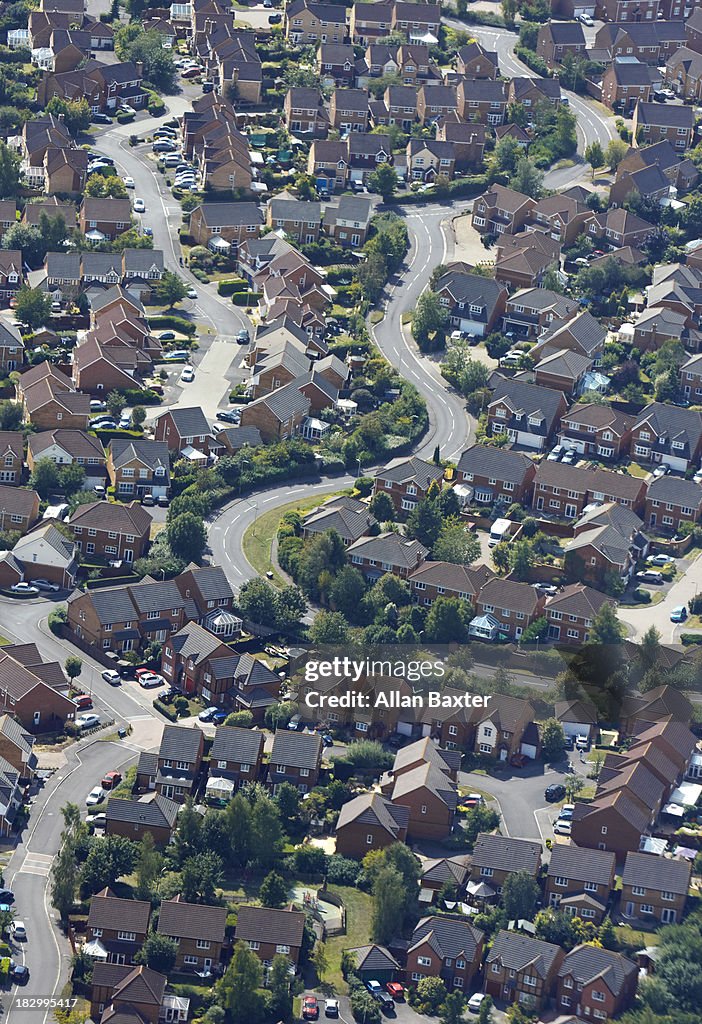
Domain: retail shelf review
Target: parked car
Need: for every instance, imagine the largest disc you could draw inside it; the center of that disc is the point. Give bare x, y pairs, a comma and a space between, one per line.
229, 415
678, 614
331, 1008
139, 206
661, 470
7, 896
176, 353
111, 780
187, 375
310, 1008
162, 501
19, 931
191, 292
570, 457
555, 792
96, 795
275, 19
472, 801
111, 677
556, 453
562, 827
475, 1002
43, 584
566, 812
148, 499
374, 987
19, 973
586, 19
98, 820
650, 576
128, 182
396, 990
97, 406
87, 722
24, 589
243, 337
387, 1003
661, 560
150, 679
327, 740
518, 760
208, 714
101, 119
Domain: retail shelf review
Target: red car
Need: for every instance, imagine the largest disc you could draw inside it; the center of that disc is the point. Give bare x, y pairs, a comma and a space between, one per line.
310, 1008
111, 780
518, 760
395, 989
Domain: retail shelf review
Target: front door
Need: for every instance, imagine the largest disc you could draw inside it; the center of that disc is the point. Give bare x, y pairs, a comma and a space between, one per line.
629, 911
668, 916
167, 791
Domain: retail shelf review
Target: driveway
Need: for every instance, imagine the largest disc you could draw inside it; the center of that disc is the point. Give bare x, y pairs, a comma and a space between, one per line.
642, 617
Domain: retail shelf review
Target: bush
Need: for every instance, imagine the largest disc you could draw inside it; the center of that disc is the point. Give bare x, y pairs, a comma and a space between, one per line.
125, 118
229, 287
57, 619
642, 596
176, 323
169, 713
342, 870
688, 639
246, 298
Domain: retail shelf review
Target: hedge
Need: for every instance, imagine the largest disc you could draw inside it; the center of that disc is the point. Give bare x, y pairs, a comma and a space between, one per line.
246, 298
533, 61
229, 287
142, 396
167, 712
125, 118
176, 323
688, 639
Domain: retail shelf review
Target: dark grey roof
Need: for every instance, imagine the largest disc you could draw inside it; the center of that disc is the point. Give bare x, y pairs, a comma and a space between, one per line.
295, 210
412, 470
156, 595
390, 548
194, 643
567, 32
63, 264
374, 958
111, 604
529, 399
661, 874
180, 744
374, 809
297, 749
188, 422
497, 463
230, 214
240, 745
211, 581
158, 812
148, 763
285, 403
655, 114
192, 920
517, 951
101, 264
586, 963
109, 911
153, 454
506, 854
449, 937
581, 864
473, 290
238, 437
355, 208
673, 424
284, 927
676, 491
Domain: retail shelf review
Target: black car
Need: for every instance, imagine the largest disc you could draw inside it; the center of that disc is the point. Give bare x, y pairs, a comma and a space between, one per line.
7, 896
101, 119
555, 792
229, 415
387, 1003
242, 337
19, 973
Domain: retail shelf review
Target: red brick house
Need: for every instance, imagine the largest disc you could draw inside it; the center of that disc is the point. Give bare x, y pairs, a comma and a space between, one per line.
564, 491
446, 579
407, 482
174, 771
579, 882
523, 970
654, 889
515, 605
198, 930
496, 472
596, 430
672, 501
495, 857
236, 755
597, 984
388, 552
501, 210
112, 531
369, 822
445, 947
570, 613
296, 757
119, 925
19, 508
270, 933
134, 818
185, 430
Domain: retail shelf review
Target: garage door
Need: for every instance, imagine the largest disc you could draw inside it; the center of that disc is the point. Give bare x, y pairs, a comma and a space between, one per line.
529, 750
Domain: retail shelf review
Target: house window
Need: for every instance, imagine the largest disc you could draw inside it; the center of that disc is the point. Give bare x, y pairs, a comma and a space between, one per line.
188, 959
567, 983
599, 997
203, 944
127, 936
560, 880
97, 933
638, 890
282, 949
668, 896
424, 961
646, 908
254, 945
369, 840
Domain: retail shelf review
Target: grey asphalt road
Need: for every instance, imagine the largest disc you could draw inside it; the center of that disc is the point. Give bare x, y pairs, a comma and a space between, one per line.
46, 952
592, 124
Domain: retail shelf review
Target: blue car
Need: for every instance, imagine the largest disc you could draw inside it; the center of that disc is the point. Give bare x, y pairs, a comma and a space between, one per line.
678, 614
220, 716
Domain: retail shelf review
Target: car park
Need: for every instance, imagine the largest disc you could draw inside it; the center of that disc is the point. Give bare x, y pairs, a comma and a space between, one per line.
87, 721
555, 792
24, 589
111, 677
96, 795
678, 614
650, 576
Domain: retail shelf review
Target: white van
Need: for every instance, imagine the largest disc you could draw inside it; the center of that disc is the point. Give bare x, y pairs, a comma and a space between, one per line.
56, 512
499, 531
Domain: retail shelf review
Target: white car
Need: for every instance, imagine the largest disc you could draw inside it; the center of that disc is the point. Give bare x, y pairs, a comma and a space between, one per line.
150, 679
47, 585
191, 293
111, 677
139, 206
187, 375
566, 812
475, 1002
96, 795
585, 19
562, 827
19, 931
24, 588
128, 182
661, 559
87, 721
98, 820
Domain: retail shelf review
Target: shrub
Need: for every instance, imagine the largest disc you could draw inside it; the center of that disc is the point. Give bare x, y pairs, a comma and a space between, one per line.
169, 713
642, 596
342, 870
245, 298
176, 323
690, 638
229, 287
57, 619
125, 118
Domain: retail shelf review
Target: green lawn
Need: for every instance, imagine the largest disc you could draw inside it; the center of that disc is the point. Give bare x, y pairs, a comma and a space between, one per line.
358, 921
258, 539
4, 642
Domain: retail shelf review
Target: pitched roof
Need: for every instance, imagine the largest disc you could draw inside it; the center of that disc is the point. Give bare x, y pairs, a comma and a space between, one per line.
109, 911
159, 812
506, 854
582, 865
192, 920
75, 443
530, 400
596, 481
675, 490
104, 515
499, 463
515, 952
578, 599
374, 957
282, 927
181, 744
654, 114
229, 214
296, 749
662, 874
373, 809
428, 777
231, 744
503, 593
412, 470
449, 937
460, 579
391, 549
588, 963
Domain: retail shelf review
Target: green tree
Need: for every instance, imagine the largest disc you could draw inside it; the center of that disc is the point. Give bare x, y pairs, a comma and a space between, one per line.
240, 986
9, 172
607, 935
429, 319
64, 870
257, 602
527, 179
506, 155
279, 987
452, 1009
381, 507
137, 418
383, 180
115, 404
170, 290
240, 719
431, 993
75, 113
71, 478
200, 877
10, 415
388, 905
424, 522
347, 592
574, 785
109, 858
273, 891
45, 478
73, 666
606, 627
485, 1011
615, 153
320, 960
594, 156
447, 620
266, 832
329, 628
148, 868
456, 544
32, 306
133, 43
159, 953
187, 537
521, 559
552, 739
519, 895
